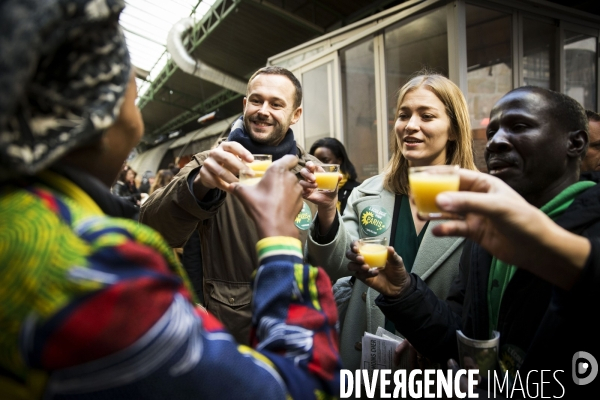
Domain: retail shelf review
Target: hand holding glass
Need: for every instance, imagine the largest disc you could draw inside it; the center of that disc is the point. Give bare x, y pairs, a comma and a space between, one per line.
427, 182
256, 170
374, 251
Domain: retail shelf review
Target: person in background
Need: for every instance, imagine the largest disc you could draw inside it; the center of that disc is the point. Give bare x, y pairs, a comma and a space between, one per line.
197, 198
591, 162
147, 181
95, 306
532, 295
125, 186
163, 177
432, 128
332, 151
173, 168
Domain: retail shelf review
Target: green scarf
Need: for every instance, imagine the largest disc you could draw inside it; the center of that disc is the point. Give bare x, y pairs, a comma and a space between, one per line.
501, 273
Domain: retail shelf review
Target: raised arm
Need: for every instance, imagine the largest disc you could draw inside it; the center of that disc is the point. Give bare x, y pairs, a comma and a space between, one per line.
195, 194
503, 223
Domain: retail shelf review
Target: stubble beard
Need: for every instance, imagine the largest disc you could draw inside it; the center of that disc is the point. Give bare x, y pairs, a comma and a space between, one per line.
272, 139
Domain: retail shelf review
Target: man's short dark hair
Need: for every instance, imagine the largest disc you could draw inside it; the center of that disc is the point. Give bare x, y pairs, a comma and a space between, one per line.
567, 113
592, 115
280, 71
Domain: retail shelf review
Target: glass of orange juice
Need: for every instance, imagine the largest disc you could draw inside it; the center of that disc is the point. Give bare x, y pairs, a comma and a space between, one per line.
256, 170
327, 177
261, 162
427, 182
374, 251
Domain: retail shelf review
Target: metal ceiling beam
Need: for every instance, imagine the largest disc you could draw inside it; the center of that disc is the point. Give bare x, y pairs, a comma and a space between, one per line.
165, 102
288, 16
209, 105
218, 12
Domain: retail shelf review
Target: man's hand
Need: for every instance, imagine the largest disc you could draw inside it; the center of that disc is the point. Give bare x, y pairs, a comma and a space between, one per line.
222, 167
513, 230
275, 201
389, 281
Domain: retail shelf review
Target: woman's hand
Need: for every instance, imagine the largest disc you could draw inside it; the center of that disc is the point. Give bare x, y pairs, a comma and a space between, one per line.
309, 187
389, 281
326, 201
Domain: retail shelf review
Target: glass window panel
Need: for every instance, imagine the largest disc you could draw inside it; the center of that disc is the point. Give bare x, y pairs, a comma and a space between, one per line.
539, 53
489, 68
360, 114
315, 114
410, 47
580, 59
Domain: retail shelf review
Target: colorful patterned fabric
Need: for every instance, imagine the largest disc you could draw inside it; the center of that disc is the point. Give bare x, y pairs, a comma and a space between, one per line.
92, 309
63, 73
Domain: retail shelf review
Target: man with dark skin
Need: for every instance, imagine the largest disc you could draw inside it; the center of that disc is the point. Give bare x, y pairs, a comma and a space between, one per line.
591, 162
536, 141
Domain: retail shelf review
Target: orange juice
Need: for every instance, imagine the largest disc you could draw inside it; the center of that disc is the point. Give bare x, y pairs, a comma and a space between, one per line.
374, 254
259, 165
326, 180
425, 187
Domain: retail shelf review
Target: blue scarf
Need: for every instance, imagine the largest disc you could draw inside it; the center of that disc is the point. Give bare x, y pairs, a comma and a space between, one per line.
238, 134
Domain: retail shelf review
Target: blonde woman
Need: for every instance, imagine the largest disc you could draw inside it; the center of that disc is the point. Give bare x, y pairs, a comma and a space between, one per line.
432, 127
163, 177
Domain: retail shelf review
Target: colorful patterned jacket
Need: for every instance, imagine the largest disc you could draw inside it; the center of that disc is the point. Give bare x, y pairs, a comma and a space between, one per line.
95, 307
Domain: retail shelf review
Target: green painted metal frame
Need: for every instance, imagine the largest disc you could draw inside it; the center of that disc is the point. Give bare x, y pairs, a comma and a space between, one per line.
198, 110
218, 12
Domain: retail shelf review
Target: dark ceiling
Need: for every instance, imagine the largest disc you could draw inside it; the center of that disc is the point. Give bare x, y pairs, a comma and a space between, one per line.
590, 6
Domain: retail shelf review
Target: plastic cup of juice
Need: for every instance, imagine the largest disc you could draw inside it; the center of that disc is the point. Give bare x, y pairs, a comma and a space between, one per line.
374, 251
327, 177
427, 182
256, 169
480, 354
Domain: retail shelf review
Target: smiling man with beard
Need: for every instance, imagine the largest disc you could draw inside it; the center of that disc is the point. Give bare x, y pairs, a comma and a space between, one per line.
536, 140
197, 198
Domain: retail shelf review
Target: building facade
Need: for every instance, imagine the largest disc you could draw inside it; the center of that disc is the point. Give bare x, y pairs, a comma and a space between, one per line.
351, 77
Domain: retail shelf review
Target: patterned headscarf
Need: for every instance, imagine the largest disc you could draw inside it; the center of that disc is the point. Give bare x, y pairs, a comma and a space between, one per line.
64, 68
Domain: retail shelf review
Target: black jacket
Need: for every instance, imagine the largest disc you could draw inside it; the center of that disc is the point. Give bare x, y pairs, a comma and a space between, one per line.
344, 193
127, 192
549, 324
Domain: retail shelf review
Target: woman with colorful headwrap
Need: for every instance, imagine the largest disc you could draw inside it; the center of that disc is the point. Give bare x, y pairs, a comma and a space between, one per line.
95, 306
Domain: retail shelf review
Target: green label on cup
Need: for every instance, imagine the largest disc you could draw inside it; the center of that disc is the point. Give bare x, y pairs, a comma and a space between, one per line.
374, 220
303, 218
511, 359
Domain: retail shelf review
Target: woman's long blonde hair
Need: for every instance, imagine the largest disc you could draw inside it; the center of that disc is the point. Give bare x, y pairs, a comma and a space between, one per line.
458, 152
163, 177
